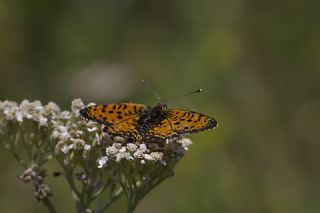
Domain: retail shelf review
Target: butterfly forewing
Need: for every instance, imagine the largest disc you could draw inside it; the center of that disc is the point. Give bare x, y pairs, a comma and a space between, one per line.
112, 113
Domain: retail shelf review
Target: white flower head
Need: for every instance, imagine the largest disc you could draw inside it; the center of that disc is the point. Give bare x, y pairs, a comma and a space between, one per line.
92, 126
123, 149
117, 145
43, 121
7, 105
156, 156
185, 142
143, 147
102, 162
61, 133
87, 147
76, 105
19, 116
65, 115
12, 112
138, 153
51, 108
131, 147
143, 162
78, 143
123, 155
111, 151
65, 149
147, 157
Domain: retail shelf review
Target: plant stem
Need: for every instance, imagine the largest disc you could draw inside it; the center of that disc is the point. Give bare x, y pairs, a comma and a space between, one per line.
49, 205
110, 201
132, 202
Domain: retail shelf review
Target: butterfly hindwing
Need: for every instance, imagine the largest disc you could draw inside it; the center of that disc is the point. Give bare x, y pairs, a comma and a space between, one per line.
124, 128
163, 130
109, 114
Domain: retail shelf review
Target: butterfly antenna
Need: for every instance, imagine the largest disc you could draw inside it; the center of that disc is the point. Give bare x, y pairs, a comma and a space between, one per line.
152, 91
184, 95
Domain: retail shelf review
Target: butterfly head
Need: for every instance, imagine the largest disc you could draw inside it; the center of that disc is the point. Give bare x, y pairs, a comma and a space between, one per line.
159, 111
84, 112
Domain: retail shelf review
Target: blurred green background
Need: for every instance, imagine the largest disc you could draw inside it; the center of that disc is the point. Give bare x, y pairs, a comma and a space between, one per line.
258, 63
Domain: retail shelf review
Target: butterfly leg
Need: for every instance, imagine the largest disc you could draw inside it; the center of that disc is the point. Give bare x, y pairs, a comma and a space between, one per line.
178, 134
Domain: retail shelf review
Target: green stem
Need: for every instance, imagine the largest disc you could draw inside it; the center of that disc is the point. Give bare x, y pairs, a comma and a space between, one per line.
132, 202
114, 197
17, 157
49, 206
141, 191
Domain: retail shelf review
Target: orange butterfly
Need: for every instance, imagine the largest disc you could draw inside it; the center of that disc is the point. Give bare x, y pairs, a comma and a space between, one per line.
138, 121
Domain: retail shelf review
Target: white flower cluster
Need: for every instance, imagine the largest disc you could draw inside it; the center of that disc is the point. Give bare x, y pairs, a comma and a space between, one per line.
73, 136
36, 133
131, 151
29, 111
65, 128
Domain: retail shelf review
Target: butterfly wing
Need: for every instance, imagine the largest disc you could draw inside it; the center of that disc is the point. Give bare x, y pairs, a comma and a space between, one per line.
126, 127
181, 122
162, 131
186, 122
110, 114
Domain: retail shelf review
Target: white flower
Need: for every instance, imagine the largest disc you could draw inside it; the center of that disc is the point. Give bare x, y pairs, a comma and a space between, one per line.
131, 147
123, 155
19, 116
143, 162
92, 126
36, 105
123, 149
117, 145
24, 107
76, 105
7, 105
147, 157
11, 112
43, 121
72, 146
185, 142
111, 151
87, 147
102, 161
143, 147
78, 143
139, 153
32, 110
65, 149
65, 115
156, 156
93, 129
51, 108
61, 133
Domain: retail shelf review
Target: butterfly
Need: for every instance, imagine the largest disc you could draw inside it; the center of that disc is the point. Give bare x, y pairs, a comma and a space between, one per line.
138, 121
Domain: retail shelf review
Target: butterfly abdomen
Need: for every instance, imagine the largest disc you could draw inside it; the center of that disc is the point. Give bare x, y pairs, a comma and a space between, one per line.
145, 128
